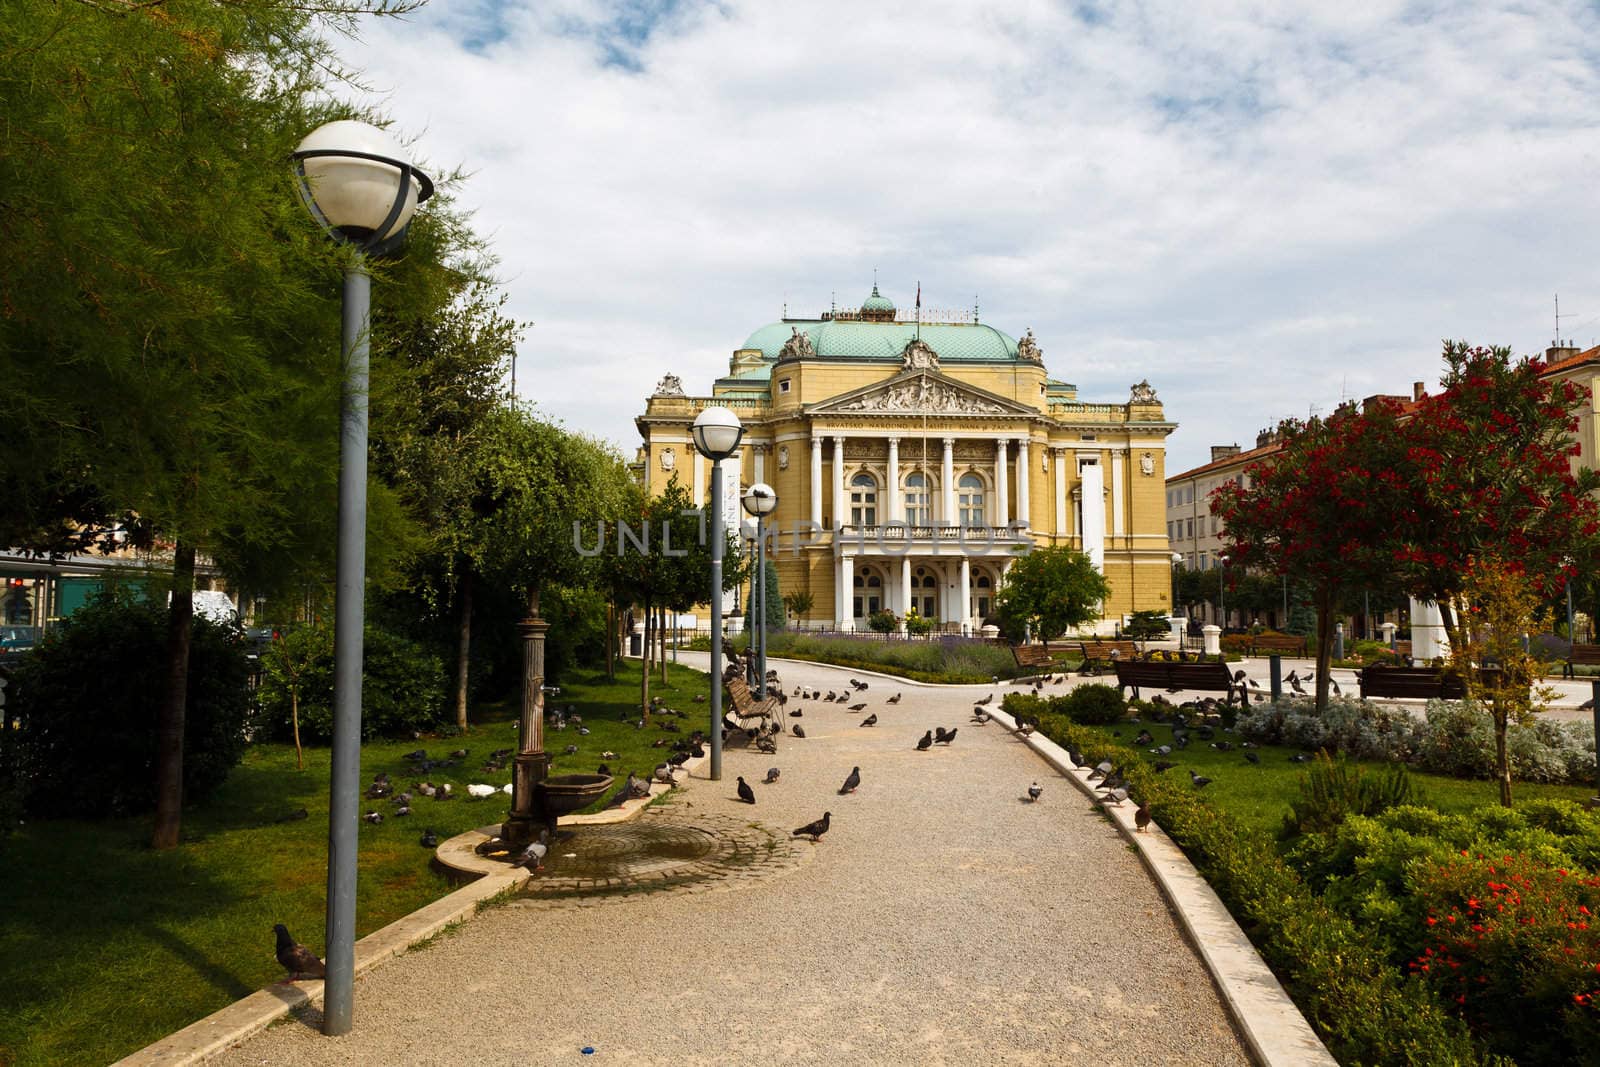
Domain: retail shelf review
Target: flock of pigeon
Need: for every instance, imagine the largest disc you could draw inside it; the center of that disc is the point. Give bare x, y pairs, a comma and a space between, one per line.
383, 788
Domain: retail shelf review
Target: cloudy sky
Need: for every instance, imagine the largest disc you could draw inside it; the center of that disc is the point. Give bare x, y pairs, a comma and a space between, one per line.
1261, 208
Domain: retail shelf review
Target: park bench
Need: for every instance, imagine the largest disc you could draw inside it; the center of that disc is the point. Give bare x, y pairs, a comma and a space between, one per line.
1281, 644
1418, 683
1034, 657
1581, 655
745, 710
1097, 655
1210, 676
1402, 649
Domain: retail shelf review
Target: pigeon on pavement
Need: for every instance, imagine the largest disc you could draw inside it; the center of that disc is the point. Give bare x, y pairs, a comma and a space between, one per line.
852, 780
799, 731
986, 701
533, 856
772, 775
926, 742
814, 830
1035, 791
948, 737
1141, 818
859, 707
894, 699
298, 960
746, 794
870, 720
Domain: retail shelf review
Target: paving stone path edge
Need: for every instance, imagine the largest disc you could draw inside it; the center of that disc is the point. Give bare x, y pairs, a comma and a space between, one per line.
1277, 1034
224, 1028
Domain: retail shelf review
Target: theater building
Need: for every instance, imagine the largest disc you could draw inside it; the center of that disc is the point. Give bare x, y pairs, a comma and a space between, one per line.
913, 459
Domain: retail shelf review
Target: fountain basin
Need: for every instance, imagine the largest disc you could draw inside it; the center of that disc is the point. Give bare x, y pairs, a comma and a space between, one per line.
566, 793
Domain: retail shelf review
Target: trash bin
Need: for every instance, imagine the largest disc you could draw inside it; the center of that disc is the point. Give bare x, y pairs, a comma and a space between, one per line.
636, 644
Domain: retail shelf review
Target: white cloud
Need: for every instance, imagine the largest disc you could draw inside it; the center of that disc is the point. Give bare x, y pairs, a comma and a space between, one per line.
1258, 207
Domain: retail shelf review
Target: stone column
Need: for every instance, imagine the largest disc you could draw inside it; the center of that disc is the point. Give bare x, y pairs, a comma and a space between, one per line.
699, 464
847, 583
1093, 529
965, 596
1119, 472
1024, 462
892, 489
1058, 461
841, 501
1002, 491
949, 475
760, 454
905, 589
816, 481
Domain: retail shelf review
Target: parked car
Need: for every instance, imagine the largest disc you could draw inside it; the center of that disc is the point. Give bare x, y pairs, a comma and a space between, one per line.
17, 640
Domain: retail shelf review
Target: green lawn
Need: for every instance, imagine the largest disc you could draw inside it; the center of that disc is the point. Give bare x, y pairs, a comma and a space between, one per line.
108, 946
1259, 795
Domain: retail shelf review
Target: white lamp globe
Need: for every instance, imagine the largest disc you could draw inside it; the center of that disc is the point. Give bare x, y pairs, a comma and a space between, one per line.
717, 432
760, 500
354, 193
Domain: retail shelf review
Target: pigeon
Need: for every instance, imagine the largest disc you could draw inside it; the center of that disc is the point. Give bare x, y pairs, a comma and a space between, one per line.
870, 720
767, 744
429, 839
1300, 757
797, 714
1116, 796
986, 701
798, 730
699, 698
894, 699
378, 790
415, 757
814, 830
479, 790
1141, 818
772, 775
859, 707
938, 734
1332, 681
980, 716
926, 742
1035, 791
374, 817
1162, 766
1251, 757
1200, 781
1145, 738
402, 811
572, 750
852, 780
298, 960
602, 769
663, 773
1162, 750
1101, 769
583, 731
445, 792
1222, 746
947, 738
533, 856
427, 789
746, 794
507, 789
1294, 683
459, 753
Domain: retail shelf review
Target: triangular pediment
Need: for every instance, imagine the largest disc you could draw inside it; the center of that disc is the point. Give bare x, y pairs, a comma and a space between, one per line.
920, 392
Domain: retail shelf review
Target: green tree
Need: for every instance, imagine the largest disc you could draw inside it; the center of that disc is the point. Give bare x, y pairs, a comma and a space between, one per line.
1143, 625
799, 603
774, 612
1051, 590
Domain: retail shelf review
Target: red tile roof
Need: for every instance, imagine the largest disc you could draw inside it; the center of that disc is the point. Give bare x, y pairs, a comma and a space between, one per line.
1227, 461
1590, 356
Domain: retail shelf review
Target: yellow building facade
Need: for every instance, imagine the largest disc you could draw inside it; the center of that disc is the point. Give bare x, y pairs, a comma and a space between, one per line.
913, 460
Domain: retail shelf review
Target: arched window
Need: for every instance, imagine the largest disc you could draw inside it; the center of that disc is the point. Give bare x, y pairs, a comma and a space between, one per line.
868, 597
982, 591
917, 511
971, 489
863, 500
925, 593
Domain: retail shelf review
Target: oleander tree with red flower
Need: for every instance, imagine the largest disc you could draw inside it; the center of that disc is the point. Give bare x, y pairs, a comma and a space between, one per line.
1323, 508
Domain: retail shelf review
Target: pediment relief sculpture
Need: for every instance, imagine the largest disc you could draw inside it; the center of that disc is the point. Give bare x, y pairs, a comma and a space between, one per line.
917, 355
924, 394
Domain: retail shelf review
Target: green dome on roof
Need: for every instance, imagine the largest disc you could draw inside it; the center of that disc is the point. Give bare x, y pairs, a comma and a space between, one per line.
885, 341
875, 302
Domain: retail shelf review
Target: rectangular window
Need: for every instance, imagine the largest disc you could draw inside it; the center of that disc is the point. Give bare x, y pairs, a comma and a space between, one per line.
783, 385
1191, 528
1202, 561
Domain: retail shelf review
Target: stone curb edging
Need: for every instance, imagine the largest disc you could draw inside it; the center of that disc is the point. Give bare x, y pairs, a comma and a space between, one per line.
1270, 1023
243, 1018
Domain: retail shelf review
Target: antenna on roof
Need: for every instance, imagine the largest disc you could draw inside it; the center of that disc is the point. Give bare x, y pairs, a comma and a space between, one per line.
785, 306
1558, 320
974, 309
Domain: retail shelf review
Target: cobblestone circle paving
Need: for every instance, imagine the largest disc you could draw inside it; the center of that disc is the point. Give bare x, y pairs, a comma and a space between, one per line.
667, 847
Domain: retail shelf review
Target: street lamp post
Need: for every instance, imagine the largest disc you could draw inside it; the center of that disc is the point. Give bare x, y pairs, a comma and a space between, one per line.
717, 432
357, 184
1177, 558
760, 501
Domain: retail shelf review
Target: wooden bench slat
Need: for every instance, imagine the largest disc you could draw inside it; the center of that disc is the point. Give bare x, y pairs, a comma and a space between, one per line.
1584, 655
1205, 677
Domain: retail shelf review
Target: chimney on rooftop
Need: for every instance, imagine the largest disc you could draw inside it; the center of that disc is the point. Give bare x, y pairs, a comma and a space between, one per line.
1418, 390
1560, 351
1223, 451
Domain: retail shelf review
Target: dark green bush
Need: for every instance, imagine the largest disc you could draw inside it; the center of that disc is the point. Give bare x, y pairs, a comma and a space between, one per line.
1092, 705
1334, 789
882, 622
88, 699
402, 690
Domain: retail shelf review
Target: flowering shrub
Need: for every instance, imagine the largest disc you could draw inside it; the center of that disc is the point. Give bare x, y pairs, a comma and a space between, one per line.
1515, 945
1459, 741
917, 625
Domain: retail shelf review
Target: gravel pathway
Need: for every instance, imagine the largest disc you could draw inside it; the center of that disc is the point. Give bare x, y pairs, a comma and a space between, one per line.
942, 920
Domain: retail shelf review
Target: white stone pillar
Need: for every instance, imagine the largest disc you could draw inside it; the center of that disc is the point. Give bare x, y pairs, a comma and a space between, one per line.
1118, 475
949, 474
1090, 476
905, 589
816, 481
1428, 639
1002, 491
1211, 639
699, 463
841, 502
895, 502
847, 582
1058, 460
1024, 461
966, 595
760, 452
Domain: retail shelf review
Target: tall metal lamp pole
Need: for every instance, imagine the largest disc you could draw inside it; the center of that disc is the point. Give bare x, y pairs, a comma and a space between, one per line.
760, 501
359, 187
716, 432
